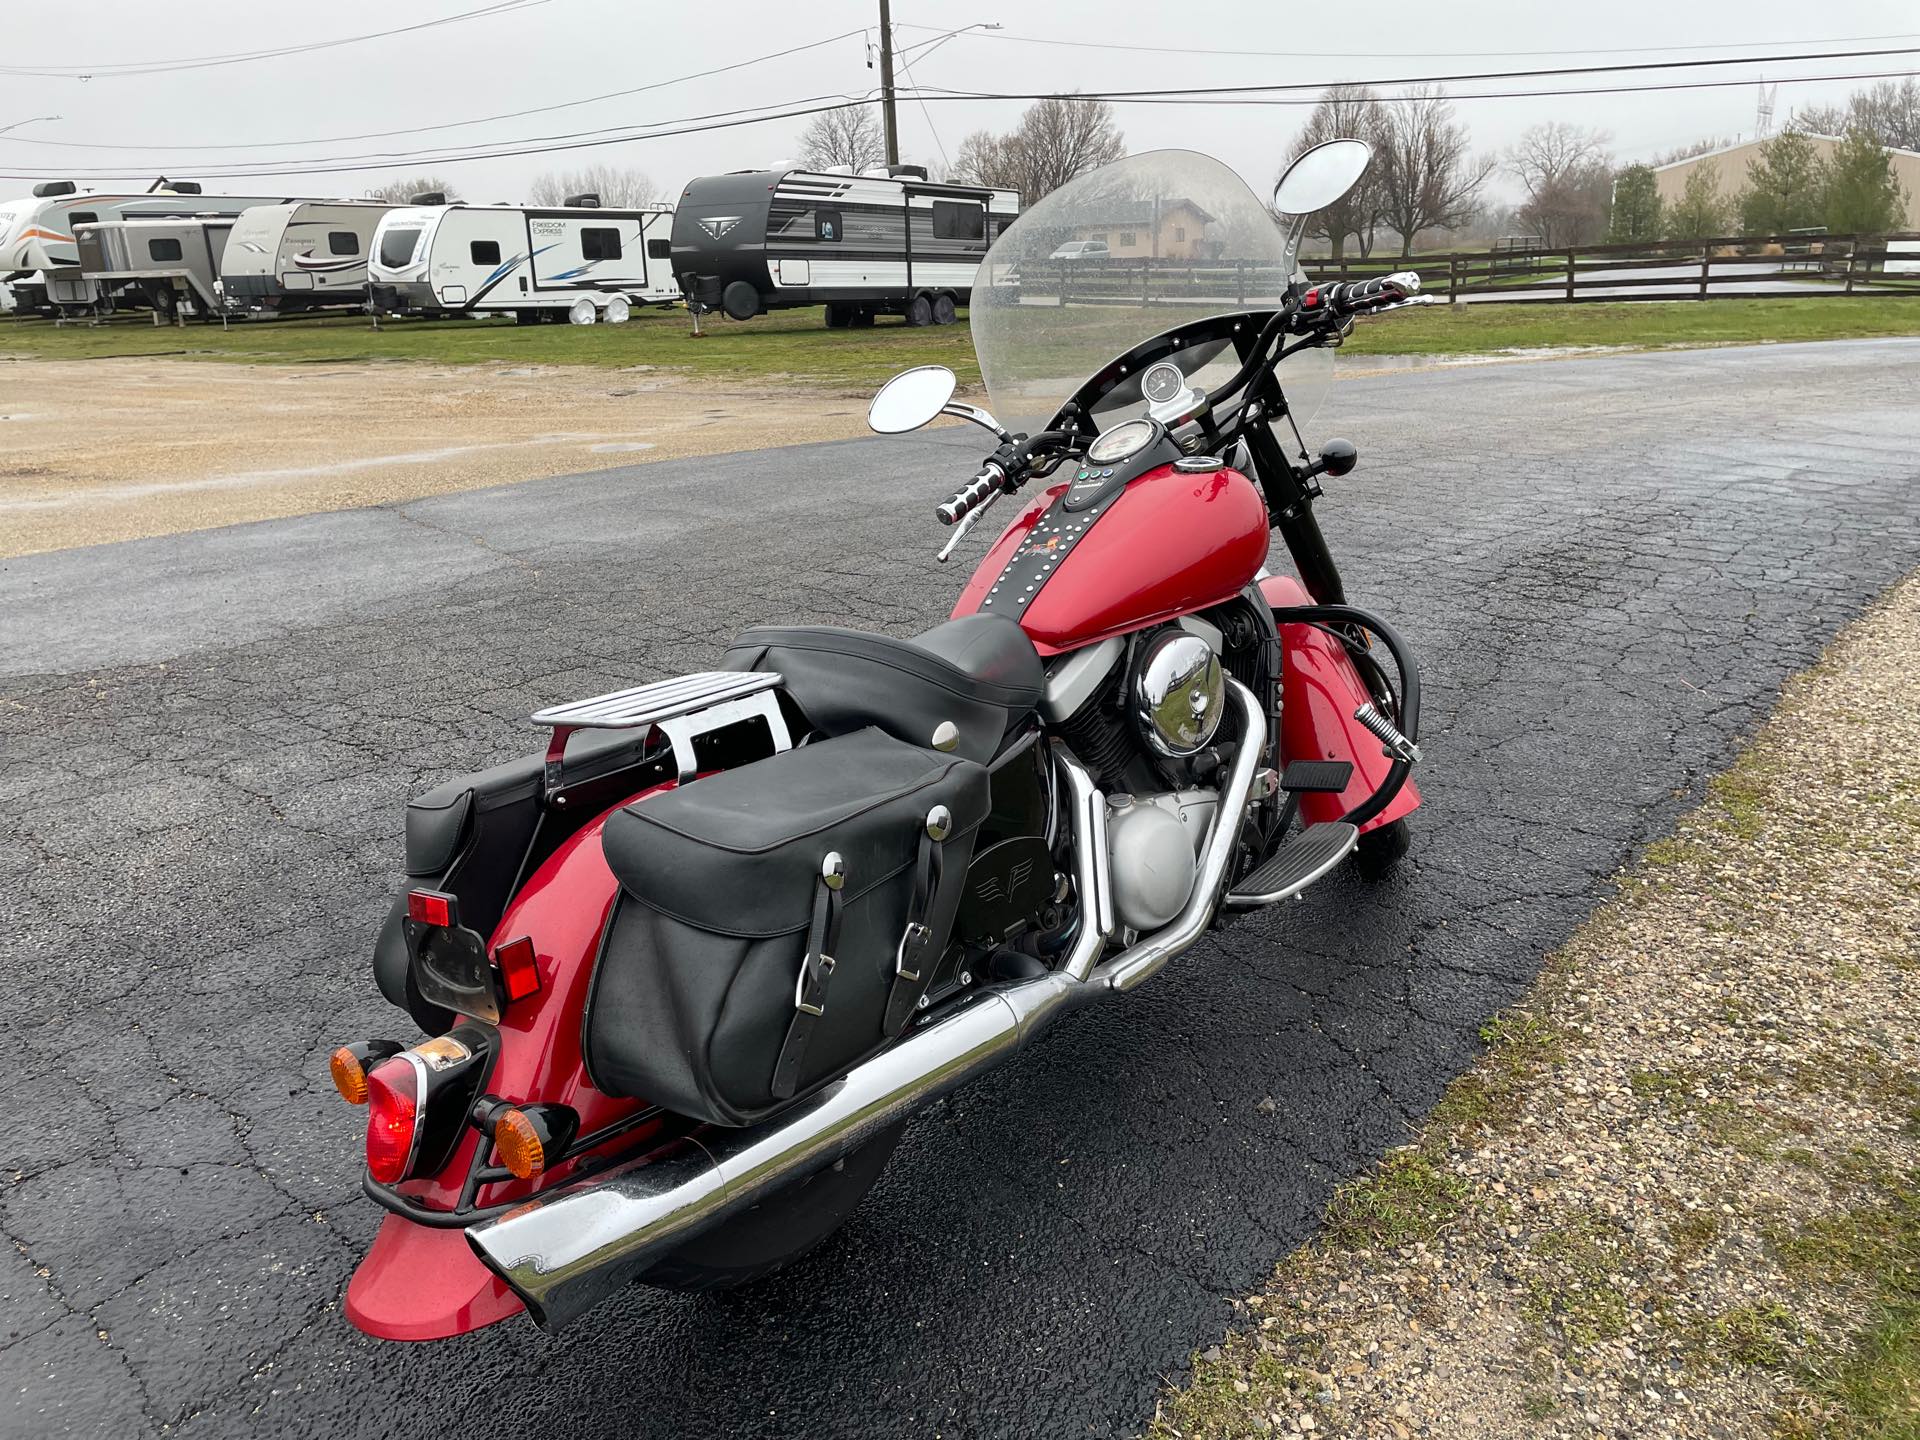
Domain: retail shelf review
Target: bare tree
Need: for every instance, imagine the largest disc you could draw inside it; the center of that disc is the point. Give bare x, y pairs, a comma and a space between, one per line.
849, 139
1055, 141
1890, 112
1426, 178
1568, 176
399, 192
618, 188
1818, 119
1689, 151
1347, 112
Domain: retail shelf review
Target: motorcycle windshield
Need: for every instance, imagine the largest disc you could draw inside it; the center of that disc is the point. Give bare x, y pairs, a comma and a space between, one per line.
1116, 257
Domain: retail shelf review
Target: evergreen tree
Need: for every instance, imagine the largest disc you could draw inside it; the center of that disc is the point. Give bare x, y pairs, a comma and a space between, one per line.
1863, 196
1701, 212
1786, 187
1636, 206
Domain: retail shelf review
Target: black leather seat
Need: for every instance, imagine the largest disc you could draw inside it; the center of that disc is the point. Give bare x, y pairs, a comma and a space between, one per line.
980, 672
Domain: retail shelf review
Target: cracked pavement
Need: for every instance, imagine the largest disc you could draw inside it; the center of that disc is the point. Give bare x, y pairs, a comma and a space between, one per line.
1607, 566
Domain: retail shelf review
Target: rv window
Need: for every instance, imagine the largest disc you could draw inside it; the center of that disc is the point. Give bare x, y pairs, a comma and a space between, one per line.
163, 250
599, 244
826, 225
396, 247
484, 252
955, 221
83, 217
342, 242
659, 249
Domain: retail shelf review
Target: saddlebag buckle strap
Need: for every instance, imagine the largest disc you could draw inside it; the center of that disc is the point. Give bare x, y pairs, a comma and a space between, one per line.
816, 970
914, 961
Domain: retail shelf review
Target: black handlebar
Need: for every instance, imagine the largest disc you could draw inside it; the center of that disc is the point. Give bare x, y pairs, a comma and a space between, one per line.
1353, 296
971, 496
1006, 471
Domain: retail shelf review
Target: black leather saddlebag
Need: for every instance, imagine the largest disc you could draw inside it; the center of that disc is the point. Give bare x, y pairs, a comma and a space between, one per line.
760, 944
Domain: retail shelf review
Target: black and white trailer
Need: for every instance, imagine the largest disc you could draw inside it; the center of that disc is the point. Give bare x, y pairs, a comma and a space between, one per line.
886, 242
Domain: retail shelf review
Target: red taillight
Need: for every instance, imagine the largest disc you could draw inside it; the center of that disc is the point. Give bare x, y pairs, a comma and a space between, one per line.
517, 968
394, 1094
430, 907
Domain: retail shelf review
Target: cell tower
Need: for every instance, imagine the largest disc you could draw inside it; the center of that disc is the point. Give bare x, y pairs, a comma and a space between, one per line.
1763, 112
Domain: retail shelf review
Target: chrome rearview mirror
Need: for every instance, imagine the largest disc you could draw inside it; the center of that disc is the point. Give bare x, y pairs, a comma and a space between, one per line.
1321, 176
910, 399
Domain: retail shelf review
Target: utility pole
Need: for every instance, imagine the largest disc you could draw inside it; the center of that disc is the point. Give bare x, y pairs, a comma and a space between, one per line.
886, 84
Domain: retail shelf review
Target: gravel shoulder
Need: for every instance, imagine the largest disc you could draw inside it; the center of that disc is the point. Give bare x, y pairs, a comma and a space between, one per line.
1677, 1195
93, 451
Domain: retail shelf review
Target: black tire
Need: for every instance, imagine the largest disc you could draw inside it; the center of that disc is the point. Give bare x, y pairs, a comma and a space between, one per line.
861, 320
780, 1229
919, 311
837, 316
740, 300
526, 317
945, 312
1380, 850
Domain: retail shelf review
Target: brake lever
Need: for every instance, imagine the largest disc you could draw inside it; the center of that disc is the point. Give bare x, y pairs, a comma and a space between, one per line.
966, 523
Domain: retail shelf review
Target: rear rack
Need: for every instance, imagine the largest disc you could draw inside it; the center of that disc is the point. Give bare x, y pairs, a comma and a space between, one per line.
681, 709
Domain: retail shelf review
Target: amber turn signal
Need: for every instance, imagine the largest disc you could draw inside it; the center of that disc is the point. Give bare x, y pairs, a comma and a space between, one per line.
517, 1137
349, 1075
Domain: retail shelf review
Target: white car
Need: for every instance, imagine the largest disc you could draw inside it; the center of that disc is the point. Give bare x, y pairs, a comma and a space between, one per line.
1081, 250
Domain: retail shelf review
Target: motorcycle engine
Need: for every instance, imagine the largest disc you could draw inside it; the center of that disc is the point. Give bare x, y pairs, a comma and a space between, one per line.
1178, 692
1153, 849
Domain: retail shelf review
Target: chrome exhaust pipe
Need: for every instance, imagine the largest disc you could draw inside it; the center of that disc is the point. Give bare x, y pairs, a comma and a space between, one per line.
564, 1253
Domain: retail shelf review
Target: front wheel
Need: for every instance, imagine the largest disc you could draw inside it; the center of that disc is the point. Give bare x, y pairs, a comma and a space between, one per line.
780, 1229
920, 311
1380, 849
945, 312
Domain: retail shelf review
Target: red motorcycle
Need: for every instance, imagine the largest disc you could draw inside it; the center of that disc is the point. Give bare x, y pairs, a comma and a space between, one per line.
689, 971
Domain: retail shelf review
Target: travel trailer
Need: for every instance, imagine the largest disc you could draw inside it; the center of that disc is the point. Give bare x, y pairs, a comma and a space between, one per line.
886, 242
576, 261
171, 265
38, 253
303, 255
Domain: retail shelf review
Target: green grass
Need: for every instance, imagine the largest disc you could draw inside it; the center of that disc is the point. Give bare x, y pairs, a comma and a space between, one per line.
796, 344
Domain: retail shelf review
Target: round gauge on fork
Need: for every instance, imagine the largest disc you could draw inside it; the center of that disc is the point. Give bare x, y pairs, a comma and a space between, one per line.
1163, 383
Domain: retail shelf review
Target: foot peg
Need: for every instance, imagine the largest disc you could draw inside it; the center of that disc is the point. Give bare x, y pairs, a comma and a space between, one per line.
1392, 743
1296, 865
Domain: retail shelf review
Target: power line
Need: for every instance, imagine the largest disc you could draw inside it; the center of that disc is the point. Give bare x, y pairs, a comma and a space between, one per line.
446, 124
1412, 54
1211, 95
207, 62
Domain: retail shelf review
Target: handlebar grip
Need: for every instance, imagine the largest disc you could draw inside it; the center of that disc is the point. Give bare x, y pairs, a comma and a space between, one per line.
1356, 296
971, 497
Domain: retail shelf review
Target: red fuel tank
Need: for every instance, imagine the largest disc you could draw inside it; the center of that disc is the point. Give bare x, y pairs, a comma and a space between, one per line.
1169, 544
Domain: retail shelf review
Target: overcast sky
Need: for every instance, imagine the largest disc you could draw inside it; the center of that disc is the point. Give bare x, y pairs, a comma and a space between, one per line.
563, 50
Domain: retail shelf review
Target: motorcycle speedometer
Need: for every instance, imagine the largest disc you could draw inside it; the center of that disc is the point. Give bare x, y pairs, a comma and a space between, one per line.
1121, 441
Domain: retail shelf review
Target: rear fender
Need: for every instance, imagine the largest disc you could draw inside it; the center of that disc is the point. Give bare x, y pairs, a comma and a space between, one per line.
1320, 689
421, 1281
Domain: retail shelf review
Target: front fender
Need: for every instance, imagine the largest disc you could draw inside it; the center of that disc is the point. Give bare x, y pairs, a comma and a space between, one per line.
1320, 689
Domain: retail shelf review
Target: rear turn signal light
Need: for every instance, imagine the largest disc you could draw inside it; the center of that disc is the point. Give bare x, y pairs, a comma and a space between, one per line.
529, 1138
349, 1065
396, 1094
518, 1139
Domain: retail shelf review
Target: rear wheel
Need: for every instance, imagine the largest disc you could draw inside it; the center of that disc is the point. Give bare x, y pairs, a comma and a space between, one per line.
920, 311
837, 316
618, 310
780, 1229
583, 312
945, 312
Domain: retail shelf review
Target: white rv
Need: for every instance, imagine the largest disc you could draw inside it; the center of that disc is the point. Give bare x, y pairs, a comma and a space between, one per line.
38, 253
300, 256
575, 261
886, 242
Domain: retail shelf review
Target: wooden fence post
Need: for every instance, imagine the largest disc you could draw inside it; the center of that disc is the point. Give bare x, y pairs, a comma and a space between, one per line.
1706, 268
1570, 260
1453, 279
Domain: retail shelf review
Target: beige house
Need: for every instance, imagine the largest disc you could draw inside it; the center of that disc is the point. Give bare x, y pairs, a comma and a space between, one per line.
1129, 230
1730, 166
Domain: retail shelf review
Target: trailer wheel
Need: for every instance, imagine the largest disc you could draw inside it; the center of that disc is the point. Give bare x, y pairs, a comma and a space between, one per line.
619, 310
945, 312
920, 311
583, 312
740, 300
861, 320
837, 316
526, 317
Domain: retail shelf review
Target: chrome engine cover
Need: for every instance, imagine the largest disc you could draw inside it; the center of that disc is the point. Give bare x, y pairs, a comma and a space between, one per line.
1151, 856
1179, 693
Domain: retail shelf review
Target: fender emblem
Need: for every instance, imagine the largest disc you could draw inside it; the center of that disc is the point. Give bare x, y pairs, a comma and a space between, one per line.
719, 225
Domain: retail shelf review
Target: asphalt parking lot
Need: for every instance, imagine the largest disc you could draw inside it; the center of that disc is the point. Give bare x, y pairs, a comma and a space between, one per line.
1608, 566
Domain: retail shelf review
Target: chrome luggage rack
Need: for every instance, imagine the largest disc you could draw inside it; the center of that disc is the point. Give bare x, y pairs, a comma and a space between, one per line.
680, 709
